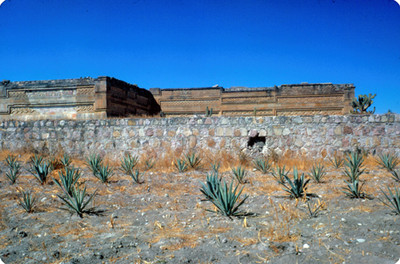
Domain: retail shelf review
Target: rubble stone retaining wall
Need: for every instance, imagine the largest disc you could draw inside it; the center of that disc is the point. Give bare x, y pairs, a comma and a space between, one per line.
313, 136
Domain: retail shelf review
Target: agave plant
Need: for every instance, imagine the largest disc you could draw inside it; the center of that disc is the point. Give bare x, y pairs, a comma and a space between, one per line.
77, 202
396, 175
337, 161
224, 197
317, 172
353, 189
388, 161
135, 176
149, 164
128, 163
104, 173
212, 186
65, 160
215, 167
13, 168
392, 200
94, 162
262, 165
27, 201
279, 173
353, 166
314, 209
296, 188
40, 169
181, 165
193, 160
68, 180
239, 173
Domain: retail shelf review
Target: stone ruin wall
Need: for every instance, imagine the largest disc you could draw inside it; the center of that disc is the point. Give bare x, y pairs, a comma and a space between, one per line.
312, 136
284, 100
85, 98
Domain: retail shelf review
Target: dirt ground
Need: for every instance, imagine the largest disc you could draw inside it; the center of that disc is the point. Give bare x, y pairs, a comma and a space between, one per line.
164, 220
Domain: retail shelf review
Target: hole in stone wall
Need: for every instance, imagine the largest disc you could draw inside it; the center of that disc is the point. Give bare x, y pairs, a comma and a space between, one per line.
256, 141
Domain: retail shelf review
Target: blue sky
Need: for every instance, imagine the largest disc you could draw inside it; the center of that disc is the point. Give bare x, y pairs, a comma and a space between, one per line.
183, 43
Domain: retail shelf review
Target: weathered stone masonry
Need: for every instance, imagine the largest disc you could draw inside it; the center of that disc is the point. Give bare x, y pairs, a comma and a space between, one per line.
314, 136
82, 98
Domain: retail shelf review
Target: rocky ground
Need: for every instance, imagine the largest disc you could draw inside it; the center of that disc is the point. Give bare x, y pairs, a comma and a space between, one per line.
164, 220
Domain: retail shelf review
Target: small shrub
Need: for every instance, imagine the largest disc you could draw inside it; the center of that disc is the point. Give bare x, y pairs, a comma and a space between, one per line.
193, 160
27, 201
13, 168
224, 197
392, 200
181, 165
262, 165
40, 169
388, 161
104, 173
94, 162
65, 160
128, 163
76, 202
337, 161
353, 166
68, 180
297, 187
353, 189
317, 172
239, 173
279, 174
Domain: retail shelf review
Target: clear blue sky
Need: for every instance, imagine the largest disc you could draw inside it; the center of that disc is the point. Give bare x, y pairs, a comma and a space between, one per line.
183, 43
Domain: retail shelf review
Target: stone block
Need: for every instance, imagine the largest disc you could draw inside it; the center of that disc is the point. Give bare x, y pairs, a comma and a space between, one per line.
338, 131
116, 134
220, 132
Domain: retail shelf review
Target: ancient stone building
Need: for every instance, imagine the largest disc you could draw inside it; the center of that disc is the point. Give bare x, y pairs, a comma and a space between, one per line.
284, 100
83, 98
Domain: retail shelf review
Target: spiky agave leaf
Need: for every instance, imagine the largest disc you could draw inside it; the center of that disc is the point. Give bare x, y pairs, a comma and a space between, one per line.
193, 160
337, 161
239, 172
354, 166
135, 176
392, 199
27, 201
279, 174
297, 187
224, 197
13, 168
68, 179
76, 202
104, 173
388, 161
40, 168
317, 172
65, 160
181, 165
211, 188
227, 200
94, 162
262, 165
396, 175
354, 189
128, 163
